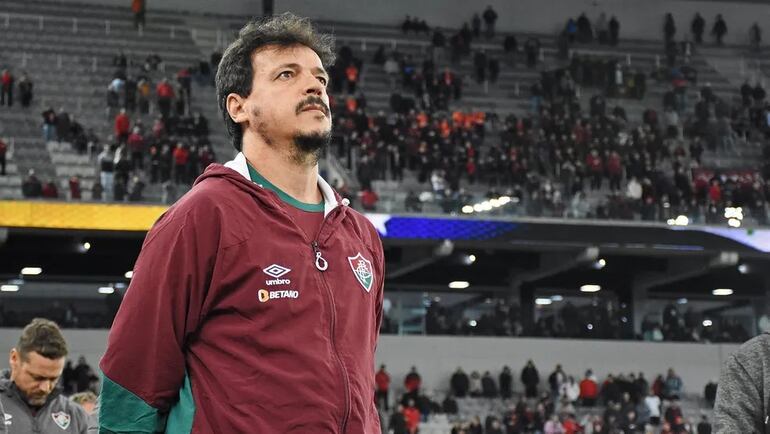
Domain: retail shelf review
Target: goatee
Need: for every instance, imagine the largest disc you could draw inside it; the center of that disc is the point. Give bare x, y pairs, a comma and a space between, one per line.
308, 147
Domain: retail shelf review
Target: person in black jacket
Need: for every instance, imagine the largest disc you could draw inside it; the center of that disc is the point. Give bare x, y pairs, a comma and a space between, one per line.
530, 378
506, 383
488, 386
720, 29
460, 383
697, 27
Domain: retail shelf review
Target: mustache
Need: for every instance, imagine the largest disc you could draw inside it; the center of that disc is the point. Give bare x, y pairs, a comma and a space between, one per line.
313, 100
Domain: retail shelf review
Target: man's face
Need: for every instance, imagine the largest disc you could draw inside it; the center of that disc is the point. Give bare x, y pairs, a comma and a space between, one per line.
35, 376
288, 101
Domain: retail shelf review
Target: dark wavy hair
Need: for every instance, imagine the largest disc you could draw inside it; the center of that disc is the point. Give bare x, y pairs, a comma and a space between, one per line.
235, 73
43, 337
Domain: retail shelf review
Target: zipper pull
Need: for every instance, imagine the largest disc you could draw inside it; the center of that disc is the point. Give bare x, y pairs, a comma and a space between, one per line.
320, 262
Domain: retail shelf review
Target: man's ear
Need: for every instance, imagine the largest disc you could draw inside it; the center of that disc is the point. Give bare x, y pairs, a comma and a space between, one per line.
236, 108
13, 359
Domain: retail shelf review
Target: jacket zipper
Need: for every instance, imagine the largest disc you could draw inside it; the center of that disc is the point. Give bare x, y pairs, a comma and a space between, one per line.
322, 265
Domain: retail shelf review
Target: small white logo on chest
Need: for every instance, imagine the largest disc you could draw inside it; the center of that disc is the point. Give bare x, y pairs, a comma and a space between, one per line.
62, 419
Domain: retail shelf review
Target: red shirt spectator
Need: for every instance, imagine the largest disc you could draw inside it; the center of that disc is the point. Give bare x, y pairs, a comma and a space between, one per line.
351, 104
136, 142
137, 6
164, 90
412, 382
122, 124
351, 72
412, 416
6, 79
589, 389
382, 379
181, 155
369, 200
75, 188
570, 426
657, 386
158, 129
715, 192
50, 191
594, 163
614, 165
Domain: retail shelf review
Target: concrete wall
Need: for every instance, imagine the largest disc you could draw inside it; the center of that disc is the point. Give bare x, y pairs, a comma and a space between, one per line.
436, 358
638, 19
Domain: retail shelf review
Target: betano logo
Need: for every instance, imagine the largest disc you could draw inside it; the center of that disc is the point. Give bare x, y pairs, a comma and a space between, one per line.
265, 295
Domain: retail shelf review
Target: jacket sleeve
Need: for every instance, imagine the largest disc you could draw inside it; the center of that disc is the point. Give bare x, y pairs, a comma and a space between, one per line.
739, 406
144, 365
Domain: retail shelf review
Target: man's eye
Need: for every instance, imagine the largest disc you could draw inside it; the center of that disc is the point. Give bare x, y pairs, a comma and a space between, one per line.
286, 74
322, 80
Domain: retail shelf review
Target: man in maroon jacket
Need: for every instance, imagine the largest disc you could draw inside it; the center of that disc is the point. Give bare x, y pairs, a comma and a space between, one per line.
256, 301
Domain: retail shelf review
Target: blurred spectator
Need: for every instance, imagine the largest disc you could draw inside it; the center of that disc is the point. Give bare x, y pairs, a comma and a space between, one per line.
138, 8
86, 399
122, 126
31, 187
106, 162
555, 381
710, 392
669, 29
25, 90
476, 389
3, 152
382, 381
97, 191
49, 190
652, 402
397, 423
506, 383
460, 383
755, 37
63, 126
74, 184
136, 190
570, 390
589, 390
49, 125
412, 417
488, 386
720, 29
490, 18
6, 88
672, 387
697, 28
165, 94
530, 378
412, 381
136, 145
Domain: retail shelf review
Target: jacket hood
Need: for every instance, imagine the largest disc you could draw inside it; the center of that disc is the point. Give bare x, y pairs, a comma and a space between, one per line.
237, 173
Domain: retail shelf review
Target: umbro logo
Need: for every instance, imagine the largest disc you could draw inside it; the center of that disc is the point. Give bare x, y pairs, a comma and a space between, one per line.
276, 270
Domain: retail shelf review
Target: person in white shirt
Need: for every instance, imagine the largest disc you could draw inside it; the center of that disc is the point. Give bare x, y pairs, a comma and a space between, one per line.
652, 402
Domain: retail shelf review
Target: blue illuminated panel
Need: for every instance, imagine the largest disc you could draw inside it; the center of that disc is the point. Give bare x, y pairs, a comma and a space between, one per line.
439, 228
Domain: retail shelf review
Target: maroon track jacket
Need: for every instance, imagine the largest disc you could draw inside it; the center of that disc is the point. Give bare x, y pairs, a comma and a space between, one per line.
237, 322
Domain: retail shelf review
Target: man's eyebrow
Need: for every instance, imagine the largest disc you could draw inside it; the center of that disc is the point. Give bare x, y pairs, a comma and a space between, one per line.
316, 69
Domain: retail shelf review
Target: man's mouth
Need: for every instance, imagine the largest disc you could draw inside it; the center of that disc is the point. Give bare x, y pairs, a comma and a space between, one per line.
316, 108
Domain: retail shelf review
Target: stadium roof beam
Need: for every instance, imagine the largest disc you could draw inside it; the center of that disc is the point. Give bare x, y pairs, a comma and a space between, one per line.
558, 265
439, 252
689, 271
